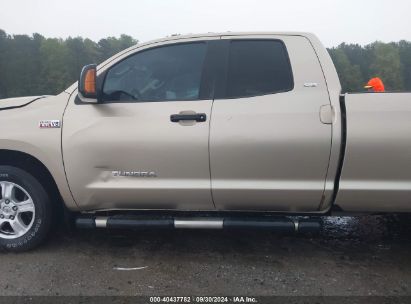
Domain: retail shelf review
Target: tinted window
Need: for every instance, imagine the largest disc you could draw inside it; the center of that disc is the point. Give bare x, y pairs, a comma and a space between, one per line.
160, 74
258, 67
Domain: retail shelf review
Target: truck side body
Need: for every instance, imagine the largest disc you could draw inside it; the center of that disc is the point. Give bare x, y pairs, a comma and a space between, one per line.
296, 147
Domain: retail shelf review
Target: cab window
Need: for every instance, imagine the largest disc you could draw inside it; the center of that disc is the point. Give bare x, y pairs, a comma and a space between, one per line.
258, 67
160, 74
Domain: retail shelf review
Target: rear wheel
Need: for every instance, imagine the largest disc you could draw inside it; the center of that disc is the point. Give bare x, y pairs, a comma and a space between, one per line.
25, 210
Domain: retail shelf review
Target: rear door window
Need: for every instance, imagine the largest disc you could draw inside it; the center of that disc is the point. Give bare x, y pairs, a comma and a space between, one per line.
258, 67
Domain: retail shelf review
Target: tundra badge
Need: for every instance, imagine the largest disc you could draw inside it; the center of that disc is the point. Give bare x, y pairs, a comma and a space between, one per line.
135, 173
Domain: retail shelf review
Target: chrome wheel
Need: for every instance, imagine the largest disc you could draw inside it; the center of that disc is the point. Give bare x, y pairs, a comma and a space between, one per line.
17, 211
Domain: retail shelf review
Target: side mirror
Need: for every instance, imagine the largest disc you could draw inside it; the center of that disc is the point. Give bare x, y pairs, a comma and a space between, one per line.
87, 85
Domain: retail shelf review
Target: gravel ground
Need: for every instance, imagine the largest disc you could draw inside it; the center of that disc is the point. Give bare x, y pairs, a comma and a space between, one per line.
368, 255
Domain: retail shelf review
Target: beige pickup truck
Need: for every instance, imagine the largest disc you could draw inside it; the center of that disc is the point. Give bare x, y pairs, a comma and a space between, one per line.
233, 130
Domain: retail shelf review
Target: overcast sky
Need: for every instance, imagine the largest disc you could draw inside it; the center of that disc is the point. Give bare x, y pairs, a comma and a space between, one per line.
334, 21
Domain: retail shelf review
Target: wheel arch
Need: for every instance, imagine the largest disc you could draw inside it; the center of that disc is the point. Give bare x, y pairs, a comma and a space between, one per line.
36, 168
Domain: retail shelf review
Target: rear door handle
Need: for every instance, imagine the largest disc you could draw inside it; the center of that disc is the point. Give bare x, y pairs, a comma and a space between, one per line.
199, 117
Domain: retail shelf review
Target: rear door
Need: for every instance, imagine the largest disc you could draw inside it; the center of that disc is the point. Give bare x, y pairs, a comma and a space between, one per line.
145, 146
268, 148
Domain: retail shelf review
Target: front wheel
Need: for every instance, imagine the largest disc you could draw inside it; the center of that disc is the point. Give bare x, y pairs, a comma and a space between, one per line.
25, 210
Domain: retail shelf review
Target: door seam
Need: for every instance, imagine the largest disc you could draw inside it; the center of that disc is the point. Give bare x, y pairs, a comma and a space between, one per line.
209, 153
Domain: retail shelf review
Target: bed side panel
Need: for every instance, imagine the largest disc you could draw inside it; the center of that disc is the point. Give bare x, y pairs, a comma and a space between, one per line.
376, 173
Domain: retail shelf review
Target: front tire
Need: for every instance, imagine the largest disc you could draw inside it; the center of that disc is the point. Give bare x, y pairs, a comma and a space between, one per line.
25, 210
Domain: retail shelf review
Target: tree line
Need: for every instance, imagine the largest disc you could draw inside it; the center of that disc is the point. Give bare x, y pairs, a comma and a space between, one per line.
35, 65
356, 64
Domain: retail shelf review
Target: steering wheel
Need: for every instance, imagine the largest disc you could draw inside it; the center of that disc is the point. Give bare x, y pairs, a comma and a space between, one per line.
135, 94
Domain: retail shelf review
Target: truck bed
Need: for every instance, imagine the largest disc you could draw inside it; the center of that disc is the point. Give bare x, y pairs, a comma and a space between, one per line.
376, 171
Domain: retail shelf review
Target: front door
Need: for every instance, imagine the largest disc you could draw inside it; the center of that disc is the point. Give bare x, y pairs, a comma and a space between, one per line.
145, 145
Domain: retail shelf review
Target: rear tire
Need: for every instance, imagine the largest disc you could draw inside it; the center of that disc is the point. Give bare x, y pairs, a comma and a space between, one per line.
25, 210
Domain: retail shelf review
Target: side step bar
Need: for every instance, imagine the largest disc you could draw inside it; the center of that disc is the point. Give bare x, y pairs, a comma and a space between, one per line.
282, 224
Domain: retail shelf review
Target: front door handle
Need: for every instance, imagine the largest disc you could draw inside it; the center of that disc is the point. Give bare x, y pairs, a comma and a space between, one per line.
199, 117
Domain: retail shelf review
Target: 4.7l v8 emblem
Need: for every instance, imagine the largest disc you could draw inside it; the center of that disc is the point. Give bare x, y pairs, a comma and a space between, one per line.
48, 124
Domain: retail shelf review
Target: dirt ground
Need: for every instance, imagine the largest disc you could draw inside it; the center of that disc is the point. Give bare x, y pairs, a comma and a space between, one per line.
368, 255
